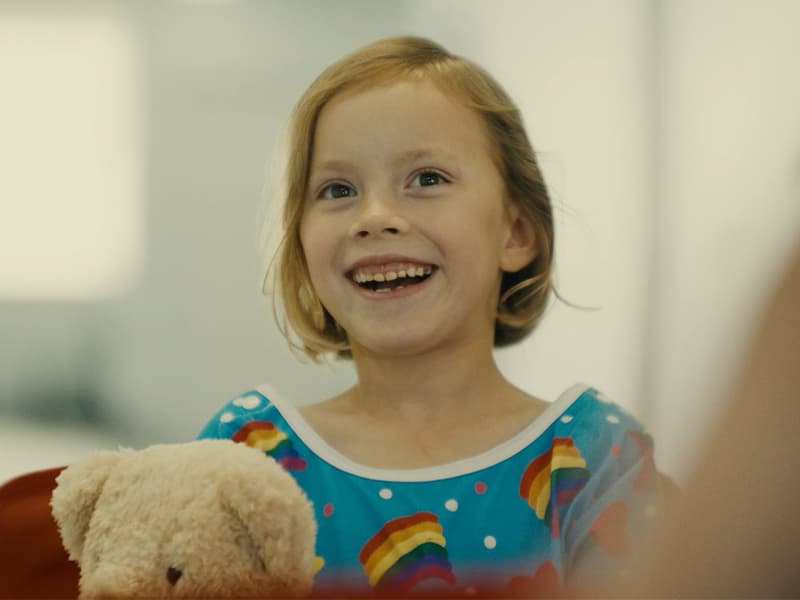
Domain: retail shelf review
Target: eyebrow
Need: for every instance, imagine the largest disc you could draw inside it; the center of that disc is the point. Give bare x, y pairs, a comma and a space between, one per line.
409, 156
419, 153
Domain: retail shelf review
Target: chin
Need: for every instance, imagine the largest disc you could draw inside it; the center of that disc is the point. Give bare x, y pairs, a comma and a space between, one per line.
393, 350
389, 345
403, 343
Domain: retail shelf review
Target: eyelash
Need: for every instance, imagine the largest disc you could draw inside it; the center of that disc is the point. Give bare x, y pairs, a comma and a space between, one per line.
327, 192
429, 173
323, 193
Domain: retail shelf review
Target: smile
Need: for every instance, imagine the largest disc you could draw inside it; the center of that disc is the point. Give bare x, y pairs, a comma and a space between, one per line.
384, 279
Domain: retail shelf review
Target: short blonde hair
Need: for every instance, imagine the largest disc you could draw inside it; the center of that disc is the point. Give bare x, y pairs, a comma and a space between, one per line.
523, 294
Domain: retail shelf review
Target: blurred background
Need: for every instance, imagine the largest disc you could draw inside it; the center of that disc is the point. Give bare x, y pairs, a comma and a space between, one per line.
136, 150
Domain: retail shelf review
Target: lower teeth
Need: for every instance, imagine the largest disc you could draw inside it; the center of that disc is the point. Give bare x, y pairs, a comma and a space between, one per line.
386, 290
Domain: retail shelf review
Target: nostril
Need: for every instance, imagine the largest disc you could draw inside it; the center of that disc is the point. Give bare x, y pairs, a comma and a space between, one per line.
173, 575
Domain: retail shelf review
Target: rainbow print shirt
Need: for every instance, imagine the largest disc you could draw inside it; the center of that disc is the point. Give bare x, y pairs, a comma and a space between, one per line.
563, 504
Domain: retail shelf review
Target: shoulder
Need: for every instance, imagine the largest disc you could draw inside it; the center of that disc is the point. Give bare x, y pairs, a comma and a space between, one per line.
617, 448
253, 417
260, 418
614, 444
598, 421
608, 520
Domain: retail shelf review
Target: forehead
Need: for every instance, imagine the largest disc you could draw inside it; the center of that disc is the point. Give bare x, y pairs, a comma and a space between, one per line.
409, 118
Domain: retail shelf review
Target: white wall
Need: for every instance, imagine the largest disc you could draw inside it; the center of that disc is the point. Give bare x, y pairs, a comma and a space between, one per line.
729, 199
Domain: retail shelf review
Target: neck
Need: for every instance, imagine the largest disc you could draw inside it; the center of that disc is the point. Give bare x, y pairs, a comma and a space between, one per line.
440, 385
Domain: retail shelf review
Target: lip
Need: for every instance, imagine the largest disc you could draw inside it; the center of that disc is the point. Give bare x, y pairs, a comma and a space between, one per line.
385, 259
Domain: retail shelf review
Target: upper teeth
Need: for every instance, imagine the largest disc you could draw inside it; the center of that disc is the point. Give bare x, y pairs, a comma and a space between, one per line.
362, 276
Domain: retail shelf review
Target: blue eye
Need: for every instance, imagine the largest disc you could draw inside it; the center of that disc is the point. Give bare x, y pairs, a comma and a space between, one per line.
334, 191
427, 179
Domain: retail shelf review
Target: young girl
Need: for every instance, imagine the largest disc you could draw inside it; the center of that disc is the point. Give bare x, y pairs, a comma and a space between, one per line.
418, 235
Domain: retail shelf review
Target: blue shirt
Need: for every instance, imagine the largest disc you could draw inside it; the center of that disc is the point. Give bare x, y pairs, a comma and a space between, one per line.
563, 503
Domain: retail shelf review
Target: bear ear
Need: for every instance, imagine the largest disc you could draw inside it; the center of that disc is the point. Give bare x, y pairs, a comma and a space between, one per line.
77, 489
279, 519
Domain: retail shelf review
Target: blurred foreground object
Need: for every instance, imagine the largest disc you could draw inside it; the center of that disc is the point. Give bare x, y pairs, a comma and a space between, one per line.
737, 534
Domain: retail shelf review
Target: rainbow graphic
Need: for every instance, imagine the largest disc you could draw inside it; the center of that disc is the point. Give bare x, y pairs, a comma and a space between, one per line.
404, 552
272, 441
553, 479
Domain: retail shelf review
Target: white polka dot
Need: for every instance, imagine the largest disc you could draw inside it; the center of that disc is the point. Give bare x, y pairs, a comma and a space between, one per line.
650, 511
226, 417
451, 505
386, 494
566, 418
248, 402
612, 418
490, 542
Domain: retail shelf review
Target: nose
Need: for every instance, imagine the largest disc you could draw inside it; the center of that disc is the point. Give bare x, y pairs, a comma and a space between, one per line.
378, 215
173, 575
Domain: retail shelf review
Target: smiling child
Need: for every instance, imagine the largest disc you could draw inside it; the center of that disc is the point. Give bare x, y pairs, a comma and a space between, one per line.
418, 236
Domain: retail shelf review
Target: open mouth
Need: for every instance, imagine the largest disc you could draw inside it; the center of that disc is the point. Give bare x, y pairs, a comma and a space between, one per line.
390, 280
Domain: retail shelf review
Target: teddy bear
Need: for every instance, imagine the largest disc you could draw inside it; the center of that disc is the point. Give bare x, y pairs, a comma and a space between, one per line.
203, 519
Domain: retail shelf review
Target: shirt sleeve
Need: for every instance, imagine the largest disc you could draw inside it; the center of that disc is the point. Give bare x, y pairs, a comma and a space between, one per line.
243, 415
226, 421
252, 419
608, 525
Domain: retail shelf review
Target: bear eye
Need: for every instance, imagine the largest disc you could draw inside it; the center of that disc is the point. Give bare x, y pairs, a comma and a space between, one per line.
173, 575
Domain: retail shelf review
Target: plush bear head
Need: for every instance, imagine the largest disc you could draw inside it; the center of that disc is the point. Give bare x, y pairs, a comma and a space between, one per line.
205, 519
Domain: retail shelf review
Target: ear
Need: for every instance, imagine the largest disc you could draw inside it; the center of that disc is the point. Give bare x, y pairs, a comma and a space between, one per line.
520, 244
279, 519
77, 489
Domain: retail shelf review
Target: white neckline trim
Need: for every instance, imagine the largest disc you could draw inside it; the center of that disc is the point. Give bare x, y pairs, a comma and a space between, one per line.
502, 451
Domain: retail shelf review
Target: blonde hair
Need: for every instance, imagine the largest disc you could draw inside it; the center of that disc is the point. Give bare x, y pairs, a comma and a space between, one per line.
523, 294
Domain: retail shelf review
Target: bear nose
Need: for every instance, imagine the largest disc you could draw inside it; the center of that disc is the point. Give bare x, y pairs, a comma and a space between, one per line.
173, 575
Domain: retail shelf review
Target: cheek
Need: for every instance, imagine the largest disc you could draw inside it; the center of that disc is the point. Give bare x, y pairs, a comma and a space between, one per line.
319, 250
485, 231
318, 234
312, 243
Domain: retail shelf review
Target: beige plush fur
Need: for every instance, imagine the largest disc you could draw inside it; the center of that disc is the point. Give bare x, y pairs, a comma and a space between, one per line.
226, 516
